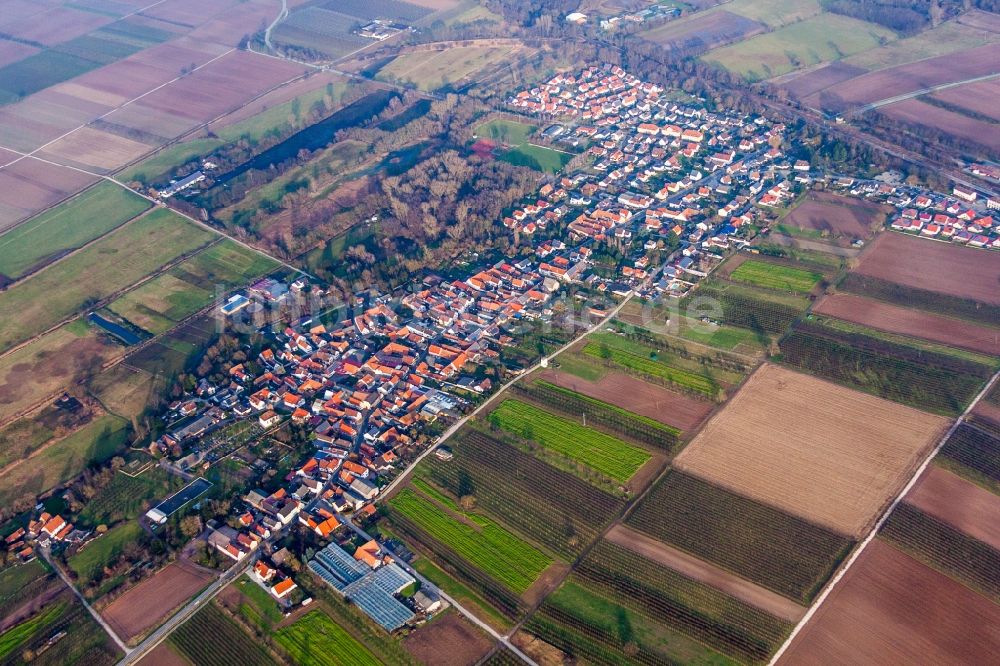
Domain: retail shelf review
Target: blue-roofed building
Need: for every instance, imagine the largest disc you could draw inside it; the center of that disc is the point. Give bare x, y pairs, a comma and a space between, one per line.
373, 591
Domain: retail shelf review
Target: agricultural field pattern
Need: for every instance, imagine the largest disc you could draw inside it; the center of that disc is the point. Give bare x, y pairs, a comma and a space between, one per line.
499, 332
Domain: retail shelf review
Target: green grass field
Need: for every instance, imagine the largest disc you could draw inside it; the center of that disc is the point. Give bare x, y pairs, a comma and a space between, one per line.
505, 131
775, 276
608, 455
946, 38
537, 157
89, 561
259, 606
482, 542
461, 592
822, 38
774, 13
69, 225
280, 118
157, 305
646, 361
18, 634
115, 262
437, 69
316, 640
96, 442
620, 626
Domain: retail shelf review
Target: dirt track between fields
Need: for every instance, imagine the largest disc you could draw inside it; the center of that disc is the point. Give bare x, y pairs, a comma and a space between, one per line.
702, 571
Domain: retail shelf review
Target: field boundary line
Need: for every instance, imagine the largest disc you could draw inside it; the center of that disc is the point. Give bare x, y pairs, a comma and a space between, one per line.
119, 107
818, 602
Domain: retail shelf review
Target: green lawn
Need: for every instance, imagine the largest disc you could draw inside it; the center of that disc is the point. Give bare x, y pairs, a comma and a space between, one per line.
112, 263
260, 608
603, 453
316, 640
822, 38
103, 550
69, 225
482, 542
776, 276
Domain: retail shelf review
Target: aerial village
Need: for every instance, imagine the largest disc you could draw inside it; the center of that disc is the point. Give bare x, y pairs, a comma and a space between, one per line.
673, 187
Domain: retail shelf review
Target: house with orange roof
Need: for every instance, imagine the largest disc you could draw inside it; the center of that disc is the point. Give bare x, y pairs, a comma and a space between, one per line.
282, 588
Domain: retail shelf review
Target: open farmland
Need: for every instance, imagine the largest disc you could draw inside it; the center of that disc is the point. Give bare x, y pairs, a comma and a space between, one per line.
937, 381
703, 31
450, 640
970, 129
906, 321
941, 546
144, 606
924, 299
836, 216
560, 510
638, 428
830, 455
765, 313
774, 13
970, 29
667, 319
891, 609
704, 572
115, 262
774, 549
157, 305
979, 98
776, 276
78, 221
683, 604
605, 454
818, 39
29, 186
482, 542
892, 81
432, 70
82, 640
643, 398
669, 362
963, 505
316, 640
322, 30
602, 628
210, 638
47, 365
974, 453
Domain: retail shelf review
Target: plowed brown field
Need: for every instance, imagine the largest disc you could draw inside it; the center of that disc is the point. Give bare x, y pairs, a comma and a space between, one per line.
963, 505
148, 603
817, 450
638, 396
904, 321
890, 609
837, 215
942, 267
